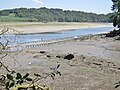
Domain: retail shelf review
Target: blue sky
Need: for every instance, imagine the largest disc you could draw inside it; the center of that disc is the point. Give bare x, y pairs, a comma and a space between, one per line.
95, 6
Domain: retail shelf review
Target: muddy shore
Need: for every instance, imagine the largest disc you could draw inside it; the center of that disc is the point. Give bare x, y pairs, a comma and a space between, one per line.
95, 66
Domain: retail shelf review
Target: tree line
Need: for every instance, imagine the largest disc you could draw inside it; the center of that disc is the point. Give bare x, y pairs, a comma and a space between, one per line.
55, 15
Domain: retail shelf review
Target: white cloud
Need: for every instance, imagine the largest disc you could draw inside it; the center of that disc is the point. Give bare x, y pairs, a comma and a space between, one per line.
38, 1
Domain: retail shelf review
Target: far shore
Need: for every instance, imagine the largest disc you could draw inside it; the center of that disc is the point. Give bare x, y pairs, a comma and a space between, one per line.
36, 27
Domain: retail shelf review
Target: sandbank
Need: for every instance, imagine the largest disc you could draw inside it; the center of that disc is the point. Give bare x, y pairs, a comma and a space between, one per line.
31, 28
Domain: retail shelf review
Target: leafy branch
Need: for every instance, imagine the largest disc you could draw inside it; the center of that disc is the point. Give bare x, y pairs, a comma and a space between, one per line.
117, 84
13, 78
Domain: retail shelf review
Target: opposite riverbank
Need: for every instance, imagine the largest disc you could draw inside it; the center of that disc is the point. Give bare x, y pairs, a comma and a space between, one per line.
33, 27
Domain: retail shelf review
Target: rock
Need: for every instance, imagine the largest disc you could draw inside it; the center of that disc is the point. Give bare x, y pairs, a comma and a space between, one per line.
82, 57
42, 52
97, 63
30, 63
58, 56
69, 56
48, 56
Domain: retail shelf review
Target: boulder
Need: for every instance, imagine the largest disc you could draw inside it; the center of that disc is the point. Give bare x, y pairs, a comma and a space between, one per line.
69, 56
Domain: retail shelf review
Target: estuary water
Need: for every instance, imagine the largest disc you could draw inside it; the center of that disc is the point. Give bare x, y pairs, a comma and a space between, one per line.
55, 35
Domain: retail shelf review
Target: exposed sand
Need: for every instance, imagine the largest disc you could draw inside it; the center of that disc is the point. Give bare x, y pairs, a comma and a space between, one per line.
96, 65
27, 28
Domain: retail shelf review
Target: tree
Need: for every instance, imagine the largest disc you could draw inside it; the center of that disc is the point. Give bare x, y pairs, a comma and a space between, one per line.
116, 16
116, 19
116, 23
51, 15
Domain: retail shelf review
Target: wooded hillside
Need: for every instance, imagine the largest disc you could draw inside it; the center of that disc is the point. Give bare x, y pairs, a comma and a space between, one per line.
51, 15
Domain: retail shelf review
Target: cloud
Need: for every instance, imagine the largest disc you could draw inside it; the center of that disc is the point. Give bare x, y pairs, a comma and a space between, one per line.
38, 1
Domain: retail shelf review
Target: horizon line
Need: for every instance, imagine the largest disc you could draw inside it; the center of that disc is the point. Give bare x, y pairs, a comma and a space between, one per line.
55, 8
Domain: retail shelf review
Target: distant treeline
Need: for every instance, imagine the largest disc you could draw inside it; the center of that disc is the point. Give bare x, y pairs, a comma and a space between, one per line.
51, 15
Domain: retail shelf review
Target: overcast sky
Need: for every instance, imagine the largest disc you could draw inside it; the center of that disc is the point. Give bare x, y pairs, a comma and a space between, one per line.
95, 6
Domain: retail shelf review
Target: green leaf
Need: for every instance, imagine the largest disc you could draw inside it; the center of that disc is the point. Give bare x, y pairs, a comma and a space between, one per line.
21, 82
58, 66
18, 82
19, 76
28, 79
11, 84
13, 72
53, 74
52, 77
0, 65
57, 72
3, 76
10, 77
26, 75
7, 85
37, 75
117, 86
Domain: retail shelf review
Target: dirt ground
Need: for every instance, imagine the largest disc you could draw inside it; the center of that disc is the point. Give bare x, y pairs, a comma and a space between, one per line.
95, 66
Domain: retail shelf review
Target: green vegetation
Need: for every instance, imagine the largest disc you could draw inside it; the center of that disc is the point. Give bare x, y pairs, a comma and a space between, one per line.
116, 19
50, 15
12, 18
116, 23
116, 15
11, 79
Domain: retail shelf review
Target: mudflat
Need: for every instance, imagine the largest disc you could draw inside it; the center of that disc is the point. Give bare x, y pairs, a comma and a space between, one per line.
34, 27
95, 66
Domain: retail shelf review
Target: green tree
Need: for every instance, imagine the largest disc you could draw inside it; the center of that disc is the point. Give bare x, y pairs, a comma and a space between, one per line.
116, 15
116, 23
52, 15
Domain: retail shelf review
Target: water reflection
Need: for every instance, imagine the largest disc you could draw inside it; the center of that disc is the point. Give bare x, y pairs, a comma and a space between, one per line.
56, 35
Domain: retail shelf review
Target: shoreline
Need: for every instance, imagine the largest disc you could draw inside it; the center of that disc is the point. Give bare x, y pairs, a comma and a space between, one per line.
38, 28
96, 61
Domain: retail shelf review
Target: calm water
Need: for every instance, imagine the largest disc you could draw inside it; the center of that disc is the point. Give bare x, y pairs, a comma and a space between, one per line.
58, 35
